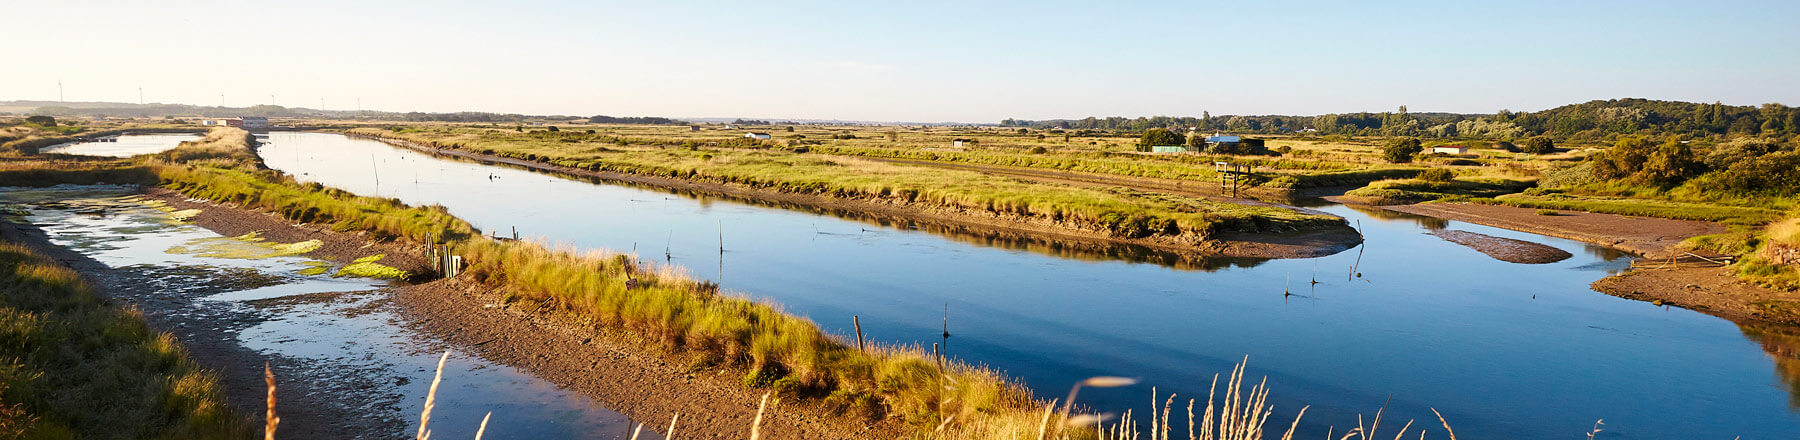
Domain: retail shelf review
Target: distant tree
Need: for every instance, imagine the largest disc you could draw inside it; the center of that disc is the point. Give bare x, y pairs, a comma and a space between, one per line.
1401, 150
790, 129
1670, 164
1160, 136
1196, 140
553, 129
893, 136
1539, 145
43, 120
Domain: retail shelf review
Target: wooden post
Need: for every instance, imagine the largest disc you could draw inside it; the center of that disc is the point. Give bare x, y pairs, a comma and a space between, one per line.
946, 320
857, 321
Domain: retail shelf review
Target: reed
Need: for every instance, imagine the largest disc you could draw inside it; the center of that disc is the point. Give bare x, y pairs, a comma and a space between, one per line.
78, 367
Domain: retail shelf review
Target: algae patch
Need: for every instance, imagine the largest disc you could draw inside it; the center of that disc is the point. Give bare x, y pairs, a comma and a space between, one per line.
367, 267
183, 215
314, 268
248, 247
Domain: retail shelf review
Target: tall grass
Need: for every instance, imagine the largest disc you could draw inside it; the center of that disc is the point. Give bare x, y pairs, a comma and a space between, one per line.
312, 203
73, 366
787, 353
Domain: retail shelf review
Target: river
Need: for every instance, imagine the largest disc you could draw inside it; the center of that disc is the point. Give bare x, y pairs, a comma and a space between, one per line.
1408, 320
126, 145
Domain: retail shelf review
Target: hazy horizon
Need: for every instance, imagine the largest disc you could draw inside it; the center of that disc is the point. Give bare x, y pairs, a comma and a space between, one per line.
916, 63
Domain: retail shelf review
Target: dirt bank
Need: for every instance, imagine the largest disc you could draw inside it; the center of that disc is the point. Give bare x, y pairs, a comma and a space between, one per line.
1504, 249
1647, 236
1321, 242
1706, 288
613, 367
609, 366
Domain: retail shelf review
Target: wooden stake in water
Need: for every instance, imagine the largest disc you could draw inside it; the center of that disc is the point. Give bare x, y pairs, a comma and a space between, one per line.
946, 320
721, 236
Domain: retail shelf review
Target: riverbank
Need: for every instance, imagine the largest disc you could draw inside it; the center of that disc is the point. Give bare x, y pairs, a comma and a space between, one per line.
82, 364
1654, 238
1691, 283
608, 365
1290, 243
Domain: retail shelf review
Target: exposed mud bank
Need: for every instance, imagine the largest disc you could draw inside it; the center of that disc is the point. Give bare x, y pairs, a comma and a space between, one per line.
1646, 236
1286, 244
1504, 249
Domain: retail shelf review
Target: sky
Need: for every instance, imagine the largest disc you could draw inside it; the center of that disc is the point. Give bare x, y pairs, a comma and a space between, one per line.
969, 61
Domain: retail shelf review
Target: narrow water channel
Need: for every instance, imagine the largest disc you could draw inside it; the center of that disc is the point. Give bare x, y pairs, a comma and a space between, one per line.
1409, 320
125, 145
340, 336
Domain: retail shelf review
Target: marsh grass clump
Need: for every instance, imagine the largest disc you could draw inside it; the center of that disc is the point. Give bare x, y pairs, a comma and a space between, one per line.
77, 367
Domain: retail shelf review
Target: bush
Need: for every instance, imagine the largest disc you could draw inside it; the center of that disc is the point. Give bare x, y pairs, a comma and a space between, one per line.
41, 120
1548, 212
1038, 150
1539, 145
1401, 150
1437, 175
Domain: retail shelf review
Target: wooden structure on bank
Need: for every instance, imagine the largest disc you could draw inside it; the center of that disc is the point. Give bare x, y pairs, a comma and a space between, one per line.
1231, 176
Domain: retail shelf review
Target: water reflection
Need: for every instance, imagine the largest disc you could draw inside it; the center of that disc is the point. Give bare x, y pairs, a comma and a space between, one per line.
1782, 343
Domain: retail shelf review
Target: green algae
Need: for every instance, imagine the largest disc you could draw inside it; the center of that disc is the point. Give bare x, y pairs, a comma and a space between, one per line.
366, 267
249, 246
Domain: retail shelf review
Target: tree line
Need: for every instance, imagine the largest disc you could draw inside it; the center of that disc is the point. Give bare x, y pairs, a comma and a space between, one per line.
1590, 121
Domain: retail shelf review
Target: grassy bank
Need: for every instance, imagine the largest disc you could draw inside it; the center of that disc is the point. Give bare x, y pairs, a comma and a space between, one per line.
73, 366
1114, 212
1433, 185
787, 354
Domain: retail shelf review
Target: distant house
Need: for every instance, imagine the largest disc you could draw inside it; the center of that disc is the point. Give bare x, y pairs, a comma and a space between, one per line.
761, 136
1450, 149
254, 122
956, 143
693, 128
1218, 139
1168, 149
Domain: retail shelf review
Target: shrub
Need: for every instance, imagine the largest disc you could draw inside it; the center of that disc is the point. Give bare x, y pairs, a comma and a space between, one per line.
1401, 150
1437, 175
1548, 212
46, 121
1539, 145
1038, 150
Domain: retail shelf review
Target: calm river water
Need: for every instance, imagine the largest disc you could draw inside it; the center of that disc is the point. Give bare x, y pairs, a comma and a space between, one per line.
127, 145
1504, 350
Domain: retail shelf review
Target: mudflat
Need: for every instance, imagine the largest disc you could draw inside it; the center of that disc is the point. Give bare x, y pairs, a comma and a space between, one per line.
1647, 236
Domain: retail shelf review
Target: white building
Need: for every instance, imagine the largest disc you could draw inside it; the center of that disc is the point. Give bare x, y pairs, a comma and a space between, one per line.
762, 136
1450, 149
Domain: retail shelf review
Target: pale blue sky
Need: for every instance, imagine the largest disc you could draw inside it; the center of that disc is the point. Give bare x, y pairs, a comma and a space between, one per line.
906, 61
